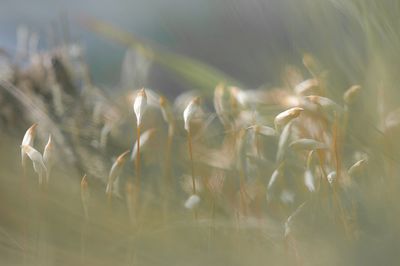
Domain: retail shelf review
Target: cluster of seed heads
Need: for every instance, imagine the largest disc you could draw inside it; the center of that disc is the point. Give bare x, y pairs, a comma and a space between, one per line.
42, 164
305, 128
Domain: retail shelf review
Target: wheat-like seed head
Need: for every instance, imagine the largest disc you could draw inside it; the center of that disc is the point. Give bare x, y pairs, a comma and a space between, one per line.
28, 139
37, 160
285, 117
139, 106
116, 170
190, 111
357, 167
351, 94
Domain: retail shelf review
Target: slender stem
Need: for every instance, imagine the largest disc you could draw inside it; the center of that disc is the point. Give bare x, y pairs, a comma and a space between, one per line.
84, 229
192, 166
138, 158
260, 194
167, 190
24, 190
167, 170
242, 191
336, 151
109, 197
191, 160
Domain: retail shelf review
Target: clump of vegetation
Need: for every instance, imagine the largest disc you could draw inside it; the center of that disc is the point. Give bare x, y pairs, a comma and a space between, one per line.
304, 174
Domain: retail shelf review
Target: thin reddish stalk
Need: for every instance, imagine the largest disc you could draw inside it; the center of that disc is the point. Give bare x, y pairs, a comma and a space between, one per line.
137, 161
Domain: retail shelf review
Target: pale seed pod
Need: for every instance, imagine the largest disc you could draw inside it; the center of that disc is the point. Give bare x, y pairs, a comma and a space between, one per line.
49, 157
115, 171
85, 196
190, 111
37, 160
139, 106
28, 139
286, 116
358, 167
192, 202
351, 94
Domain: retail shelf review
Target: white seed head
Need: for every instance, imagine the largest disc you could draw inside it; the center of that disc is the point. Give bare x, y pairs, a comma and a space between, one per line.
37, 160
190, 111
139, 106
28, 139
286, 116
358, 167
116, 170
29, 135
351, 94
192, 202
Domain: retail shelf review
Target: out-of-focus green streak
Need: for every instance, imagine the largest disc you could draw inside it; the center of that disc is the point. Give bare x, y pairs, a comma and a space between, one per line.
197, 74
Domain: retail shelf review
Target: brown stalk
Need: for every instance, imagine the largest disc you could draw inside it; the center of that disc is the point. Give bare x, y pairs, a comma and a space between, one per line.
336, 148
137, 161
